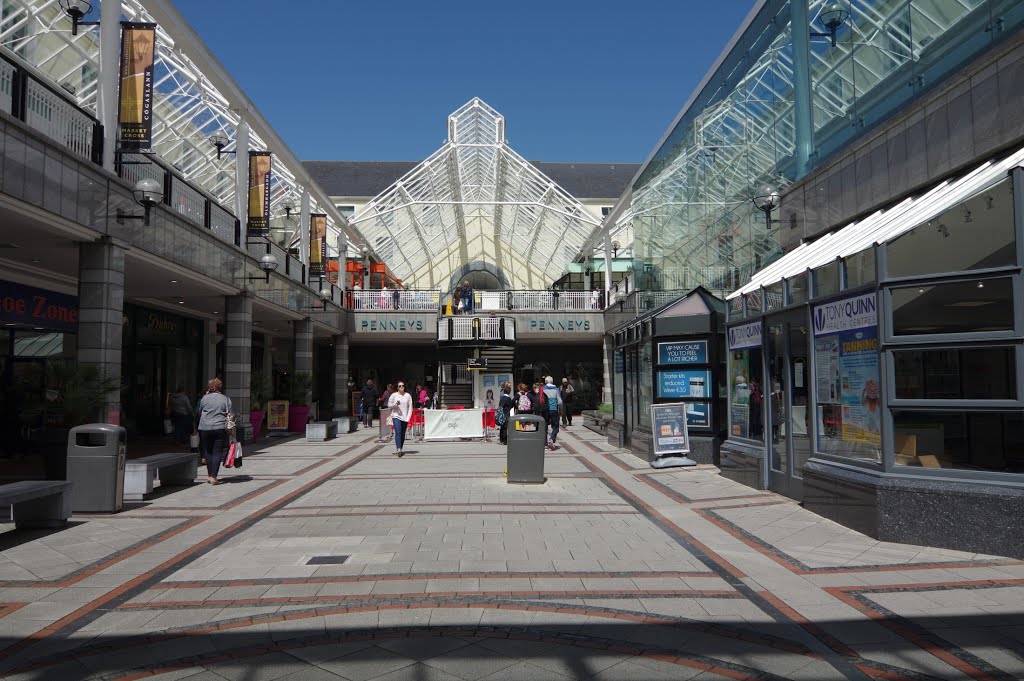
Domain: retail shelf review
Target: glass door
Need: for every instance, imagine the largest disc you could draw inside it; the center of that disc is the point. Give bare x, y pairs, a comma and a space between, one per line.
788, 389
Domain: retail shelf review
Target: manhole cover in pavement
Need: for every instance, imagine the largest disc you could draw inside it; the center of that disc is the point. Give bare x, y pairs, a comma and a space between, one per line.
326, 560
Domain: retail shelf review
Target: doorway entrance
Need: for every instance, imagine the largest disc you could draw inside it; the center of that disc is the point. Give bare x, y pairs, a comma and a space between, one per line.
788, 380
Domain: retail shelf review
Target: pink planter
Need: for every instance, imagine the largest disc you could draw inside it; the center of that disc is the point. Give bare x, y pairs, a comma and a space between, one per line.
298, 416
256, 419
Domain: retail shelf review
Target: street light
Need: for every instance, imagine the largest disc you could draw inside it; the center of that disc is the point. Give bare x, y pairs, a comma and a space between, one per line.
832, 17
147, 193
76, 9
219, 141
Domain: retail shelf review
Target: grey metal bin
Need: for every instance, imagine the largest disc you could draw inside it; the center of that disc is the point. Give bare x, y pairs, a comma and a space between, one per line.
525, 454
96, 467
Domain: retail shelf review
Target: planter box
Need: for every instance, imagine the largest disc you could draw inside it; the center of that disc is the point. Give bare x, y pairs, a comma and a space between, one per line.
298, 417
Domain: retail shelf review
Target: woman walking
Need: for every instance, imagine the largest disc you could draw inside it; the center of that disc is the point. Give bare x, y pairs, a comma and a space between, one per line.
400, 404
214, 409
505, 404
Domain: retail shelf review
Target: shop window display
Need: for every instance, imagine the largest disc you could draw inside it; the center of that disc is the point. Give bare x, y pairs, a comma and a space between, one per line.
975, 234
746, 381
983, 441
846, 374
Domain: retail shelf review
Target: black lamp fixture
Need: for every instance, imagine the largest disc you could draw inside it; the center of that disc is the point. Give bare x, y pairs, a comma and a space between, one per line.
267, 263
766, 202
615, 249
288, 210
147, 193
76, 9
324, 294
218, 141
832, 17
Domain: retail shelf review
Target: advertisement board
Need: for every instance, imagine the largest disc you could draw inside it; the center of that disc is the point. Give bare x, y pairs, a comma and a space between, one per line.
671, 435
277, 415
135, 96
683, 352
684, 383
447, 424
745, 336
698, 415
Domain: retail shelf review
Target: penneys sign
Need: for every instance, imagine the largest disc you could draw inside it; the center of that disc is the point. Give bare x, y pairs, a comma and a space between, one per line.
842, 315
390, 323
570, 325
37, 307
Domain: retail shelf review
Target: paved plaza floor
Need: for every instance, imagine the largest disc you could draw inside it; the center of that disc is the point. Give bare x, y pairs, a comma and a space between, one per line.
339, 561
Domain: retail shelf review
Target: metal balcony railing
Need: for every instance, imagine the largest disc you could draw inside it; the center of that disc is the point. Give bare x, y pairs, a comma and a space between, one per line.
486, 329
424, 300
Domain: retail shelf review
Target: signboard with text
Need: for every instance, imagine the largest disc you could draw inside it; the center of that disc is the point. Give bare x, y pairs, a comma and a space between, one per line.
670, 430
277, 415
447, 424
745, 336
693, 383
37, 307
683, 352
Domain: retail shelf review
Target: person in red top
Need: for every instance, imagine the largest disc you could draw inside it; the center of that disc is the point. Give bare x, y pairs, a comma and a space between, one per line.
422, 397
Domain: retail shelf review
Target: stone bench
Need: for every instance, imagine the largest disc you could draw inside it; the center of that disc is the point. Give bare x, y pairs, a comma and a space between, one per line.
346, 424
596, 421
37, 503
321, 431
172, 468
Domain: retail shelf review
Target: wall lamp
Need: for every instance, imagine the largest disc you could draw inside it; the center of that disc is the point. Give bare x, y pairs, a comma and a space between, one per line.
324, 295
219, 141
147, 193
76, 9
832, 17
615, 249
268, 263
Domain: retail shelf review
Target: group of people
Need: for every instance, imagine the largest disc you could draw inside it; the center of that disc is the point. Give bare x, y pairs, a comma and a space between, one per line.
551, 402
462, 299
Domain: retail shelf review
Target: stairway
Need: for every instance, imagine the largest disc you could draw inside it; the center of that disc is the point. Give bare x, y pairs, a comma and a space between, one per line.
454, 394
500, 359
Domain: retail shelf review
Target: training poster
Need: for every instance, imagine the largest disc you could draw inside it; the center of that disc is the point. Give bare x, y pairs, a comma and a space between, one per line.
670, 432
135, 99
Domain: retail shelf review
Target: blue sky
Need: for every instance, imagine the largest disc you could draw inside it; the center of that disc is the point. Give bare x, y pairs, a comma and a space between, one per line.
595, 81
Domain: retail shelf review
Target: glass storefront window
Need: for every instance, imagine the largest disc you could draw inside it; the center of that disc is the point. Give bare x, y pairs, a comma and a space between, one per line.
753, 302
959, 307
848, 397
956, 374
746, 382
983, 441
773, 297
736, 308
976, 234
646, 396
797, 289
860, 269
826, 279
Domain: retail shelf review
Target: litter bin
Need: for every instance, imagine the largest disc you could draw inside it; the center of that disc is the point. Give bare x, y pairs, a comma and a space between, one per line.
525, 454
96, 467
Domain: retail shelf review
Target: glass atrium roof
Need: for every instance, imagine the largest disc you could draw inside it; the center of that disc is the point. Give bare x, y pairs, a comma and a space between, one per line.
189, 108
475, 204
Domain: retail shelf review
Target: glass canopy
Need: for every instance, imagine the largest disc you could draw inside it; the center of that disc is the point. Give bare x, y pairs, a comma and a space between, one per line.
475, 204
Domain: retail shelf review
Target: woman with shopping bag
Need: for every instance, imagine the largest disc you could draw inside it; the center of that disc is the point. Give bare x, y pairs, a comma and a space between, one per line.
216, 426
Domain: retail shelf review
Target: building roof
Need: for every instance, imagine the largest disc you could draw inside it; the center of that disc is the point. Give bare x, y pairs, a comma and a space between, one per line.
370, 178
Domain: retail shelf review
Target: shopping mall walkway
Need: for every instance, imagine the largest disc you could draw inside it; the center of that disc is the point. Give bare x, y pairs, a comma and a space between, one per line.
339, 561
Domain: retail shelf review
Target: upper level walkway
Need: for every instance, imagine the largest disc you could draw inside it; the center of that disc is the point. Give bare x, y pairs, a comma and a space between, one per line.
338, 561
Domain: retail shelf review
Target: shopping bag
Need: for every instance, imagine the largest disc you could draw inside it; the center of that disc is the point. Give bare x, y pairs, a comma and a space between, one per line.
168, 427
193, 441
230, 461
238, 455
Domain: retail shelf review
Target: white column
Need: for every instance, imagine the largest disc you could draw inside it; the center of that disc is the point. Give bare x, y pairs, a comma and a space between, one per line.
607, 268
304, 229
242, 173
110, 52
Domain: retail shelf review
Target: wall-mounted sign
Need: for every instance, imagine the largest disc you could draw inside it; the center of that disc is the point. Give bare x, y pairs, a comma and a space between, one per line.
745, 336
476, 363
260, 166
698, 415
570, 325
135, 99
390, 323
37, 307
670, 430
683, 352
277, 415
684, 383
842, 315
317, 243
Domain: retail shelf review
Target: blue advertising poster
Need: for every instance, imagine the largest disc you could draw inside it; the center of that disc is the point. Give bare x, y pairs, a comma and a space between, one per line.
698, 414
670, 429
684, 383
683, 352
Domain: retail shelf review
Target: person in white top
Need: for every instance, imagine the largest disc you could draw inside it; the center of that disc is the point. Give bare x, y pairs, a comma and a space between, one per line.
400, 404
593, 300
385, 297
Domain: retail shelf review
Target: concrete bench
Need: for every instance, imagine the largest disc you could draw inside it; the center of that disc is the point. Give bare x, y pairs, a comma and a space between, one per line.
321, 431
596, 421
37, 503
172, 468
346, 424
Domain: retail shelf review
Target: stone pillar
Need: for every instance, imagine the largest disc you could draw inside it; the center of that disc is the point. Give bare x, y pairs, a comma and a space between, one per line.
100, 312
304, 348
342, 395
238, 360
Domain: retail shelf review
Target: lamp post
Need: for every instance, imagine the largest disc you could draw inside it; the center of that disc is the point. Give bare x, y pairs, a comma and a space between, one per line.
147, 193
76, 9
767, 201
832, 17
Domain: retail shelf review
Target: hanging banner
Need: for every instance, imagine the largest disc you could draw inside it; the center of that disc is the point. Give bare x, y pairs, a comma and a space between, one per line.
447, 424
135, 103
317, 243
260, 163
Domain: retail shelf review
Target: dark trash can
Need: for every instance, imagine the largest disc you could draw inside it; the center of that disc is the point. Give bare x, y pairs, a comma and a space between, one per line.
525, 453
96, 453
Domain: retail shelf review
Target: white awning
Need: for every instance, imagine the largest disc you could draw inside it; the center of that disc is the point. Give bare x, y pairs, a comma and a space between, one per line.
883, 225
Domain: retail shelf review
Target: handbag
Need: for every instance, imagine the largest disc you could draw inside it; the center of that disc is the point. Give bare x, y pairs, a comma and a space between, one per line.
168, 427
229, 422
193, 441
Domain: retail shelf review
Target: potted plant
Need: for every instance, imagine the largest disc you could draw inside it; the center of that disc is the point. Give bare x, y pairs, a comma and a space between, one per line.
259, 390
299, 385
72, 395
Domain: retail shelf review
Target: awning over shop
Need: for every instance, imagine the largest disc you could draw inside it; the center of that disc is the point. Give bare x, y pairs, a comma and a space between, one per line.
884, 225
